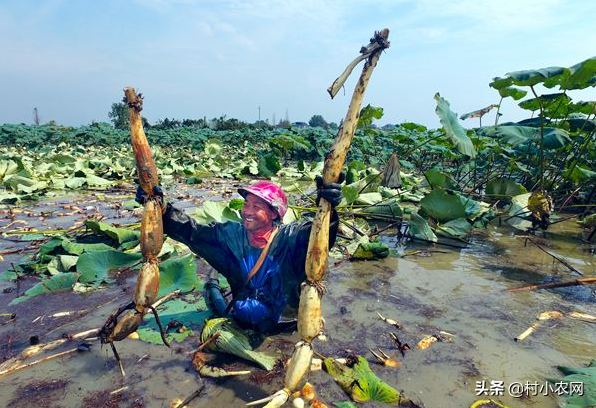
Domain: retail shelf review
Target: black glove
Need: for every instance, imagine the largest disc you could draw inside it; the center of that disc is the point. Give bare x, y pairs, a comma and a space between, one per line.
141, 196
330, 192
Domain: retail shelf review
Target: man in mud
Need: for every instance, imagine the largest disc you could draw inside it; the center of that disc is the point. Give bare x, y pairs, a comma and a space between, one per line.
262, 260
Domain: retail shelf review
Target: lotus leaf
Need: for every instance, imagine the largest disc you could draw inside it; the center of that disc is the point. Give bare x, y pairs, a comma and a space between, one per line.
56, 283
458, 228
216, 211
456, 133
62, 263
442, 206
438, 179
512, 92
360, 382
389, 209
94, 266
370, 251
178, 273
189, 312
518, 210
579, 174
576, 375
504, 188
269, 165
419, 228
345, 404
120, 235
532, 77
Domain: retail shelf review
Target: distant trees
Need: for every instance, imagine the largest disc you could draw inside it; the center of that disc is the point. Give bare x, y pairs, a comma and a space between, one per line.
317, 121
119, 116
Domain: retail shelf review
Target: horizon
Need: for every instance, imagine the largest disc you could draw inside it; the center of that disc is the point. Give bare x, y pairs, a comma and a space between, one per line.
193, 59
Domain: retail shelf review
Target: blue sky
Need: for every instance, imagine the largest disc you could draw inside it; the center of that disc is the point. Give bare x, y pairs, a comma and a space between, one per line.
196, 58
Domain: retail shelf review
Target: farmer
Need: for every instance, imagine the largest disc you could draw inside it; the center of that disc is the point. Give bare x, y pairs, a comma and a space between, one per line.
262, 260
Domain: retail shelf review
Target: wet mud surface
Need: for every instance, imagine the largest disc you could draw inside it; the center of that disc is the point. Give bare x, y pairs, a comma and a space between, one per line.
461, 292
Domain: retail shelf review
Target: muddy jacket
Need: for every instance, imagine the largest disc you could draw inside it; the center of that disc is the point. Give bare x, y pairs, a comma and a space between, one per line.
225, 246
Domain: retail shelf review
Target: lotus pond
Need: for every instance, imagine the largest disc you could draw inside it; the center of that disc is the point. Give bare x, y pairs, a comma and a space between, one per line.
456, 294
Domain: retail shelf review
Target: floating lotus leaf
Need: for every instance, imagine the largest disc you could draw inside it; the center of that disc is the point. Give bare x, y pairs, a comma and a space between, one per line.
360, 382
503, 188
371, 251
189, 313
576, 375
56, 283
94, 266
178, 273
120, 235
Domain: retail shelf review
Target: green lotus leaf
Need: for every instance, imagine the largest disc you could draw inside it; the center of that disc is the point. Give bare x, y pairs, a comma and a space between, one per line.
345, 404
120, 235
579, 174
389, 209
369, 198
512, 92
518, 211
458, 228
576, 375
216, 211
76, 248
62, 263
532, 77
419, 228
559, 100
453, 129
581, 75
213, 148
95, 181
94, 266
269, 165
178, 273
360, 382
370, 251
442, 206
189, 312
438, 179
56, 283
504, 188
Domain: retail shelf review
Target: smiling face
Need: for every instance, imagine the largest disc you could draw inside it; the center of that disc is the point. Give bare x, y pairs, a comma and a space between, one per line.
257, 214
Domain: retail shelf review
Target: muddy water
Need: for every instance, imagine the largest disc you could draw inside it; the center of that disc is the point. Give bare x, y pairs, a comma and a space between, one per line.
428, 290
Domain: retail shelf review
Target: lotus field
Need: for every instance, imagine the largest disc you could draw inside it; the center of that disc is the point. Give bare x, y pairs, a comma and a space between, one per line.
435, 188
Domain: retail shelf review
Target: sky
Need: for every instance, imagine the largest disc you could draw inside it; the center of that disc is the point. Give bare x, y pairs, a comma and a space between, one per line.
71, 59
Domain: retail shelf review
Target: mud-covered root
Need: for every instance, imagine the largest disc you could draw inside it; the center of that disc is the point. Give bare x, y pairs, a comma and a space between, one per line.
299, 365
125, 326
205, 370
151, 229
309, 312
147, 285
273, 401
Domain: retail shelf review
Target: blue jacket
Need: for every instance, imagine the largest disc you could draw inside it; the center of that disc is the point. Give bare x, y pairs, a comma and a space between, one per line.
259, 303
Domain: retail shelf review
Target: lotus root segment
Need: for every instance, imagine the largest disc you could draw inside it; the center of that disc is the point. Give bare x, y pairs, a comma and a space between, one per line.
299, 365
147, 285
151, 229
309, 312
126, 325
